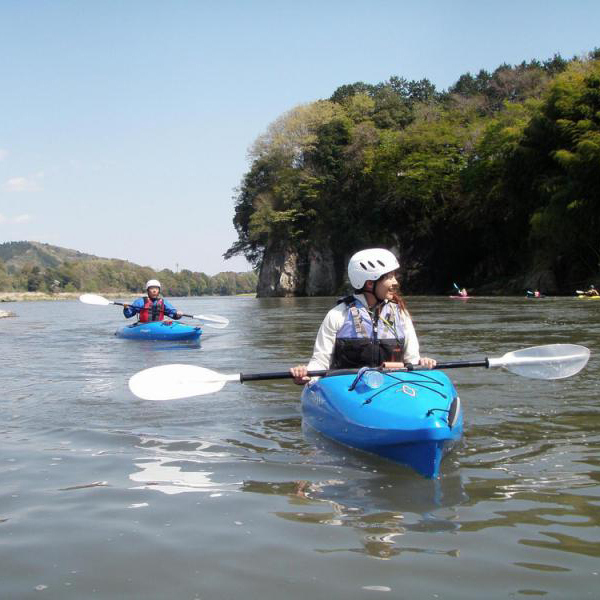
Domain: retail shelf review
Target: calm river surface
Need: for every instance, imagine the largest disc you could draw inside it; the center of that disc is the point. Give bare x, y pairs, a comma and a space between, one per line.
225, 496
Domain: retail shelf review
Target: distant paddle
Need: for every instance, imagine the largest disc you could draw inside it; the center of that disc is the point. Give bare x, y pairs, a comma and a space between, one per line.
170, 382
462, 293
210, 320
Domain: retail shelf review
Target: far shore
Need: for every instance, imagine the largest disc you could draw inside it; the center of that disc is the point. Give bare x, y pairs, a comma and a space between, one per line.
44, 296
35, 296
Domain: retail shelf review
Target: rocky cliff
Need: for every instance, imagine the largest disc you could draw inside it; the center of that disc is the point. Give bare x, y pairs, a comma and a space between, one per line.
285, 272
320, 272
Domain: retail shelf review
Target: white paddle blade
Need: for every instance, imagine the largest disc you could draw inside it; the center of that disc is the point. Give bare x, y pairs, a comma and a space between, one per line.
94, 299
553, 361
215, 320
170, 382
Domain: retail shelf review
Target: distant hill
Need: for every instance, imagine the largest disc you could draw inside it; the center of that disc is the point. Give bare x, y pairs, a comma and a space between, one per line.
19, 254
37, 267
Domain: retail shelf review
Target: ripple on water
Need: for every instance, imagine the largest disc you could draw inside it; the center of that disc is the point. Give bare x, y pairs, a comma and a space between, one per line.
226, 495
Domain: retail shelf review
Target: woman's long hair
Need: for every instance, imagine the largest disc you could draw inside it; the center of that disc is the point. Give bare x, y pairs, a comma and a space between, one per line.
397, 298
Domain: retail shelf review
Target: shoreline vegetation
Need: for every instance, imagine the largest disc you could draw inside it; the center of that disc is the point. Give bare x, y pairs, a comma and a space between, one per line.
56, 272
58, 296
493, 182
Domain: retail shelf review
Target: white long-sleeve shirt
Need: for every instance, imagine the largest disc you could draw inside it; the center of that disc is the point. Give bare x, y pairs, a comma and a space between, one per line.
332, 323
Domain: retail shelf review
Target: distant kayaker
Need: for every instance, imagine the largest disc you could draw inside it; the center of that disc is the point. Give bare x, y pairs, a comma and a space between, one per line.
151, 307
592, 291
372, 327
463, 292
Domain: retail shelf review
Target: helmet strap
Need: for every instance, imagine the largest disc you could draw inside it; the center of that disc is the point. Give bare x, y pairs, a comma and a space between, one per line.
369, 294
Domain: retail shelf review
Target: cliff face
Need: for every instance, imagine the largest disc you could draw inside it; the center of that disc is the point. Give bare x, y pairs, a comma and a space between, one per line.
285, 272
321, 277
279, 275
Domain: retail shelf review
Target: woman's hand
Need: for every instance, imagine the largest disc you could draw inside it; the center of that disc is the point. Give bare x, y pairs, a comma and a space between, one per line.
428, 363
393, 365
300, 374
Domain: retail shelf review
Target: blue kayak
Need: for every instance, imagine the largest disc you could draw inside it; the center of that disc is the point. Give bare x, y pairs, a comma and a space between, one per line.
412, 418
159, 330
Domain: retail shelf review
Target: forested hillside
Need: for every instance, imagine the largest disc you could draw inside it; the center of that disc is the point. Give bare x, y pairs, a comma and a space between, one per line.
31, 266
494, 182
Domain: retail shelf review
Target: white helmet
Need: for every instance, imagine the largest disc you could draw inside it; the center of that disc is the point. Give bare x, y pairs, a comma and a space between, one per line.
153, 283
370, 265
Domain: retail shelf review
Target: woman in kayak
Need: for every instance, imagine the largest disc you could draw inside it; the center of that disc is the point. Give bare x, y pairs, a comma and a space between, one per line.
592, 291
151, 307
370, 328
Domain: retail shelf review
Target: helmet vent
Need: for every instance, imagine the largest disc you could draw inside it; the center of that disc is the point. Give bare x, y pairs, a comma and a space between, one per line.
370, 265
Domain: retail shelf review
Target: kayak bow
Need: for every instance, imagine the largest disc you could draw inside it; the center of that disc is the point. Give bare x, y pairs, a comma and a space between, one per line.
159, 330
412, 418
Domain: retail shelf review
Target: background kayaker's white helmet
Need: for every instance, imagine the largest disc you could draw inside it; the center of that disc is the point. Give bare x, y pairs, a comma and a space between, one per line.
370, 265
153, 283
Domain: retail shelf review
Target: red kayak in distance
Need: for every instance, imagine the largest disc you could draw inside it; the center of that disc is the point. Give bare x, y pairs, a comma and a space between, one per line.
461, 297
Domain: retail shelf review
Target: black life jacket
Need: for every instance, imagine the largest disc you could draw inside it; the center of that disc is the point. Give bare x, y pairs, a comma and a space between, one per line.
367, 339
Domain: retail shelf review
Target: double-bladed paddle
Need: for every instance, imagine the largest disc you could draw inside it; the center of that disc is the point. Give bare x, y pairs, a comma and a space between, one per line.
210, 320
169, 382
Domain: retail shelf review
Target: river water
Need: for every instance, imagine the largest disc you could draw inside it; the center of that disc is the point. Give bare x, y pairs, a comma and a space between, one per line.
225, 496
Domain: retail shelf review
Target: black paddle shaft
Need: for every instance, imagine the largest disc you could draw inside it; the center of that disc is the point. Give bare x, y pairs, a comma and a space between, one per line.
461, 364
138, 309
287, 375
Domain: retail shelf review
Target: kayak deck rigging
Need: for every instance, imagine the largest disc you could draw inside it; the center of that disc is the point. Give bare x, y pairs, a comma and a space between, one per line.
410, 418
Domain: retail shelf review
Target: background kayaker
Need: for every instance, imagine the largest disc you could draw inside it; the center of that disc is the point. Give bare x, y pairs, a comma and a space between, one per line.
370, 328
151, 307
463, 292
592, 291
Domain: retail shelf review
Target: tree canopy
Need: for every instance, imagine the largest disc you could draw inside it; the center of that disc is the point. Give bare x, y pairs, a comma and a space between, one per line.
496, 175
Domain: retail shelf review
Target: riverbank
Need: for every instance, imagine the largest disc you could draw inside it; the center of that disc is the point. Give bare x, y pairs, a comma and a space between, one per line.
37, 296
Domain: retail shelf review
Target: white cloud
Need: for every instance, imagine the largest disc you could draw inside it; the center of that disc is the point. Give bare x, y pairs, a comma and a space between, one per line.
22, 184
16, 220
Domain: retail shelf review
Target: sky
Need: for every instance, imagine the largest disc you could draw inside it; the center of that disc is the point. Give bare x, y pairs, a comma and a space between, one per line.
125, 124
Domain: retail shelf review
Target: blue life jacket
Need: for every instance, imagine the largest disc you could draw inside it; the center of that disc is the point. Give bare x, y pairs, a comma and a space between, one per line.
369, 338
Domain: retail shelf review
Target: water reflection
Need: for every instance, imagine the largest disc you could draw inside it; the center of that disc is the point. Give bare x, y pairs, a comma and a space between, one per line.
382, 507
178, 465
165, 475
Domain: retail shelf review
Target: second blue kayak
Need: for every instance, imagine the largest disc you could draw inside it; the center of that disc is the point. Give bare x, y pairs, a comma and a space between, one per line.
160, 330
412, 418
